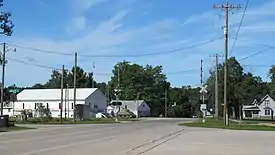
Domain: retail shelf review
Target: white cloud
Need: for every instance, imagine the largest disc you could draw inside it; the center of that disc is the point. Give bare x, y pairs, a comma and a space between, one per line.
113, 36
105, 38
83, 5
77, 24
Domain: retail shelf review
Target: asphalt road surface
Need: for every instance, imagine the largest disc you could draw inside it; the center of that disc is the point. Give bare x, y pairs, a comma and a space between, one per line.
151, 137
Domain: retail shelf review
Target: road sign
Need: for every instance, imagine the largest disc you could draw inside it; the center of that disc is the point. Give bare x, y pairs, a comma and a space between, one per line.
14, 90
203, 89
203, 107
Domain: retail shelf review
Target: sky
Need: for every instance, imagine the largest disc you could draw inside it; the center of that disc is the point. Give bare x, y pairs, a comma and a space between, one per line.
173, 34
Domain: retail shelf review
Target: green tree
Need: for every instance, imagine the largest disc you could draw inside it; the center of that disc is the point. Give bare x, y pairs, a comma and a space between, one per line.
241, 86
6, 24
135, 81
83, 79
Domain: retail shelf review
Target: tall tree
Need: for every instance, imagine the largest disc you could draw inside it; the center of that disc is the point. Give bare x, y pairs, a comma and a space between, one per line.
135, 81
83, 79
6, 25
241, 86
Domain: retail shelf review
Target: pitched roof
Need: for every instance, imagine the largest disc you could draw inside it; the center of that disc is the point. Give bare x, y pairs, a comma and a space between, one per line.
53, 94
131, 104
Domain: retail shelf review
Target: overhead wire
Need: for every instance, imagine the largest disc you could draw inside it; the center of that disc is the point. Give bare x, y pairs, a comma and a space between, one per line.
257, 53
240, 25
117, 56
107, 74
32, 64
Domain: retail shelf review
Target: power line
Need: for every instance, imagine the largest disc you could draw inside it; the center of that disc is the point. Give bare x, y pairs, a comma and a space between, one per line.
257, 53
240, 25
107, 74
116, 56
33, 64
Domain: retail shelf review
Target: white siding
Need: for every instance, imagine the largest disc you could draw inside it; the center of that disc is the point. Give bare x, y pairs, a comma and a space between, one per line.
263, 105
97, 102
53, 106
144, 109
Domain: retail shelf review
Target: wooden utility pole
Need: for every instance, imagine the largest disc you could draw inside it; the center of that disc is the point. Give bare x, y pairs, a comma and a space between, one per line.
216, 86
165, 103
61, 100
201, 79
75, 65
3, 61
227, 8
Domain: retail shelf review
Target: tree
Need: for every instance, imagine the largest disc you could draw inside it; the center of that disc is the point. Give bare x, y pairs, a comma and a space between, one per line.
138, 82
83, 79
241, 86
43, 112
6, 24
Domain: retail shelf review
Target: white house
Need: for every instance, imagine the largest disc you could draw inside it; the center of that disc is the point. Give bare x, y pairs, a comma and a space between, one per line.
91, 99
139, 107
262, 107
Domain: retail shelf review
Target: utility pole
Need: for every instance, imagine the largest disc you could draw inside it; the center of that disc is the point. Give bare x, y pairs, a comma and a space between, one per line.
3, 63
3, 76
93, 85
201, 78
216, 86
165, 103
68, 100
65, 107
227, 8
201, 81
61, 101
75, 65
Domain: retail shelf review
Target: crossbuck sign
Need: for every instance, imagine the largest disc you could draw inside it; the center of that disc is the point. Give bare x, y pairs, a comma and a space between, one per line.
203, 89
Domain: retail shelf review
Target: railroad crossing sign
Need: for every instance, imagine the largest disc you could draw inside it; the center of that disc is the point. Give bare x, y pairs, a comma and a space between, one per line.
203, 89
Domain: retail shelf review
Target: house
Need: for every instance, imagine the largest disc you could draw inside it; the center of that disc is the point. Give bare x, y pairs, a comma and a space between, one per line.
260, 107
138, 107
91, 101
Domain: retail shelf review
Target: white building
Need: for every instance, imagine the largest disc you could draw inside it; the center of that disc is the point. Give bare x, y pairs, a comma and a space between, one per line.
262, 107
139, 107
91, 99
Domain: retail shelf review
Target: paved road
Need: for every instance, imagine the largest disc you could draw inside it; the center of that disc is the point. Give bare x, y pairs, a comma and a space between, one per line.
145, 137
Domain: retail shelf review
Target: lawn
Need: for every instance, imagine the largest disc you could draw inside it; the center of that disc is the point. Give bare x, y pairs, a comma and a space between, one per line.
14, 128
213, 123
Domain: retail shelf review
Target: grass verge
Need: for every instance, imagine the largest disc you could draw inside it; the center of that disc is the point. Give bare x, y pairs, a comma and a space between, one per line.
213, 123
14, 128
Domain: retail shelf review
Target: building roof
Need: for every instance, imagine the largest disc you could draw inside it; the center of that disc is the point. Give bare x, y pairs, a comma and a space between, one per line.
53, 94
130, 104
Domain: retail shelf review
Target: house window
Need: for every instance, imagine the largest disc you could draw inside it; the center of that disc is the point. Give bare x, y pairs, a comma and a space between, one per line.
125, 106
59, 105
47, 105
9, 110
267, 103
72, 106
95, 107
23, 105
267, 112
35, 105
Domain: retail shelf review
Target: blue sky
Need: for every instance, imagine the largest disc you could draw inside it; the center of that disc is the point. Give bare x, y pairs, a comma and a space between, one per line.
125, 27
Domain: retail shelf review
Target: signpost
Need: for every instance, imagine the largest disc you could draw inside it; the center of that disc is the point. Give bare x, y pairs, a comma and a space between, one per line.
203, 106
13, 96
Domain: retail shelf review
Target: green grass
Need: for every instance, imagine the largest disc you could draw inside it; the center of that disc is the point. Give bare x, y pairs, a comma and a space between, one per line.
14, 128
212, 123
